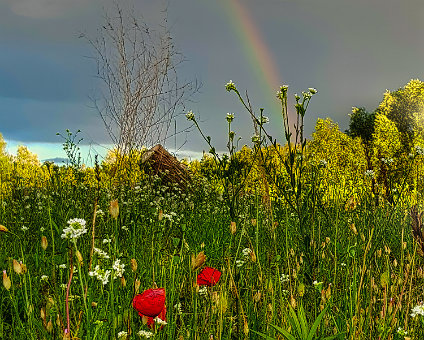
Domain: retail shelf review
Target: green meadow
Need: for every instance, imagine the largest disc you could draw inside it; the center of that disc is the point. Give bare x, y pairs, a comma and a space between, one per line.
320, 238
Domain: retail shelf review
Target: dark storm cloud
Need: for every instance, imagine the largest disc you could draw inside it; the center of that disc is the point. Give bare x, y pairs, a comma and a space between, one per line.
351, 51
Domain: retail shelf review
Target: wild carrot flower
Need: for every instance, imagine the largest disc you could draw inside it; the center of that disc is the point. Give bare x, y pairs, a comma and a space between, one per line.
118, 268
100, 253
417, 310
145, 334
122, 335
208, 277
101, 274
75, 229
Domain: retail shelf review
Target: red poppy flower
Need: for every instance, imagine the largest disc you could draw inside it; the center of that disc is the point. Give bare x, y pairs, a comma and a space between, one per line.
150, 303
208, 277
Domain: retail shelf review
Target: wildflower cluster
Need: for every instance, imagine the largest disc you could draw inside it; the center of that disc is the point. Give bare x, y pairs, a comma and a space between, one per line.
75, 229
101, 274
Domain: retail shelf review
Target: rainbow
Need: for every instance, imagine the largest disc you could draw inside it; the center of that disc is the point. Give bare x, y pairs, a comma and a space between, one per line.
258, 53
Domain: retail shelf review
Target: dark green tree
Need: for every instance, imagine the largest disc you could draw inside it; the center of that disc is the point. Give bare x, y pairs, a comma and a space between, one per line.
361, 124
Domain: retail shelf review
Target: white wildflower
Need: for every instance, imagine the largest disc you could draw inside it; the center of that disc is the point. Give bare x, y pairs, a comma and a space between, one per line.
203, 291
240, 263
100, 253
75, 229
24, 228
419, 150
284, 278
256, 139
159, 321
107, 240
369, 173
230, 117
230, 86
246, 252
44, 278
401, 331
179, 308
145, 334
323, 163
118, 268
101, 274
190, 115
122, 335
417, 310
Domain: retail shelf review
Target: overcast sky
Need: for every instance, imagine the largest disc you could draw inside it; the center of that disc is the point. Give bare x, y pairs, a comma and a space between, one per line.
351, 51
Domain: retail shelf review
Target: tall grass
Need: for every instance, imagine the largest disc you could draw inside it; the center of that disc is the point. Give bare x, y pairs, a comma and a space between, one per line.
298, 261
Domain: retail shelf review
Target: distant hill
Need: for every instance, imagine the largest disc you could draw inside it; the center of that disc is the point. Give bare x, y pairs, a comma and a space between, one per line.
56, 160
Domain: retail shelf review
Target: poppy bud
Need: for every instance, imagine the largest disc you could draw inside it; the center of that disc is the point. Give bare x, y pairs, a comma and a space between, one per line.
43, 314
245, 327
44, 242
257, 296
94, 304
301, 289
79, 257
252, 256
6, 281
114, 209
160, 215
123, 281
17, 267
253, 221
233, 228
328, 292
293, 302
49, 326
133, 264
23, 267
198, 261
208, 277
3, 229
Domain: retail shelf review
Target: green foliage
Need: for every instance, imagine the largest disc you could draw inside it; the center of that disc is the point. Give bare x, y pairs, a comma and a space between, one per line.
386, 138
361, 124
401, 106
